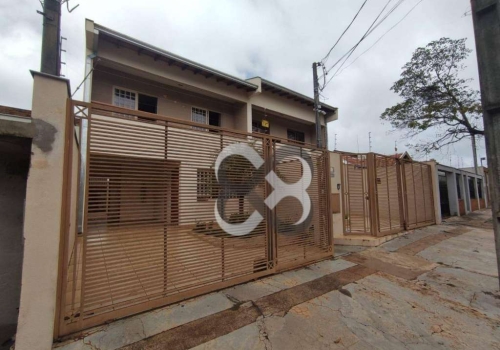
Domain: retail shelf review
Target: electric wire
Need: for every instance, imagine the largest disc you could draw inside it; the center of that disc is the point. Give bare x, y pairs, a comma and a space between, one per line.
354, 47
387, 32
374, 25
349, 26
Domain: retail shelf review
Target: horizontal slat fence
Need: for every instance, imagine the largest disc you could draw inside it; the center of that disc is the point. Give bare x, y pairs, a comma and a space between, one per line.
150, 235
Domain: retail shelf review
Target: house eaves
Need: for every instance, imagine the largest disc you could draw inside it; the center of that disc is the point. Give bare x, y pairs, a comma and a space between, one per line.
143, 48
285, 92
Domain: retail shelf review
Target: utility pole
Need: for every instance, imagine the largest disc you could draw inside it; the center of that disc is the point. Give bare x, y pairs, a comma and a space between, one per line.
474, 152
486, 17
317, 106
370, 141
335, 144
51, 37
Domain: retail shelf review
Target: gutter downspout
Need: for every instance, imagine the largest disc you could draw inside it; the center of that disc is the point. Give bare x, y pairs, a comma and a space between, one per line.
87, 97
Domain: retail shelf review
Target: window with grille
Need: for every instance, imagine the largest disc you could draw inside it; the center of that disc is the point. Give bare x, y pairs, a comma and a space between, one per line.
297, 136
125, 98
206, 184
199, 115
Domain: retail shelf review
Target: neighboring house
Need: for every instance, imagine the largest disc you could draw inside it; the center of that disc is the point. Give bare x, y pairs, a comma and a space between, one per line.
16, 133
459, 191
132, 74
485, 173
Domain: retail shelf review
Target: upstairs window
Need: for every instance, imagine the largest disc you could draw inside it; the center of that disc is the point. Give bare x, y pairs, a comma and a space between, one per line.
199, 115
125, 99
132, 100
213, 118
148, 104
297, 136
203, 116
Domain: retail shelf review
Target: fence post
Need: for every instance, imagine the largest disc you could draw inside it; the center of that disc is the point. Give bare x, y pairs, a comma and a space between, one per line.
372, 193
44, 214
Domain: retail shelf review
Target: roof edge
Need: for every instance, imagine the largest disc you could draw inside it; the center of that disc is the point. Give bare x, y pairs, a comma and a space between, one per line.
171, 55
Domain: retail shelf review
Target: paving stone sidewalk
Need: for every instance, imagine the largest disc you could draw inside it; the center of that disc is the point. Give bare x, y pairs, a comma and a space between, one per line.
434, 288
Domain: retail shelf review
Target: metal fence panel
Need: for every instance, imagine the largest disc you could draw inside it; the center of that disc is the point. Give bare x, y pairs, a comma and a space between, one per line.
388, 191
357, 218
150, 234
384, 195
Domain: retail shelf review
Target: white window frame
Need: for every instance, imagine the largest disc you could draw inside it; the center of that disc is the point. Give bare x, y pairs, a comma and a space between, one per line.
201, 109
127, 90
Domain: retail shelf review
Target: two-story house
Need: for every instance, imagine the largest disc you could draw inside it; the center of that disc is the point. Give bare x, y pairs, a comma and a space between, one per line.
132, 74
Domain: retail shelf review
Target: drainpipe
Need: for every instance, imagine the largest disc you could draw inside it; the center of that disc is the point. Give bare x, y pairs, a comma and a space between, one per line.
87, 97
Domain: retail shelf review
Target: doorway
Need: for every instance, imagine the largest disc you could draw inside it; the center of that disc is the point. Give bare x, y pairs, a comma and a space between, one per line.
15, 153
443, 195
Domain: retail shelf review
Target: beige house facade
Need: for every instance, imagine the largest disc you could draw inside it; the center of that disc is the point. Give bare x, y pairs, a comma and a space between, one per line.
126, 72
120, 208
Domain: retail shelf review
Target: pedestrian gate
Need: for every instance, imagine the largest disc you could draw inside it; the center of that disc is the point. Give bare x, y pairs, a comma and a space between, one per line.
384, 195
141, 211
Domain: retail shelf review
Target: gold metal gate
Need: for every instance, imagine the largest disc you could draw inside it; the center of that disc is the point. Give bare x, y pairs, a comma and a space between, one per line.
419, 198
383, 195
390, 215
149, 234
356, 203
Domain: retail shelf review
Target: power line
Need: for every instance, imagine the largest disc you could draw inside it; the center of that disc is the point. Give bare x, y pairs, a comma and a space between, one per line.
349, 26
376, 42
370, 29
360, 40
365, 35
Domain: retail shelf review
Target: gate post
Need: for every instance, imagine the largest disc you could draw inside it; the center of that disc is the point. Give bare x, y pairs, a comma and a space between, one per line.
372, 193
44, 218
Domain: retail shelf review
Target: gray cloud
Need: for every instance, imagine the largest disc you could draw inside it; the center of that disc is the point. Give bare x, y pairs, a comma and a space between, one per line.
275, 39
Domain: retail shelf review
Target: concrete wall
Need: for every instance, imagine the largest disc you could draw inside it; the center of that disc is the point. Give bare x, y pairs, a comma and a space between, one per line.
335, 180
42, 225
14, 165
435, 190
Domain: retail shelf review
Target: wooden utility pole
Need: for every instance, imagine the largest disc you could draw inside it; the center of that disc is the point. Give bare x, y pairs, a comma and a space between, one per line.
486, 17
51, 40
316, 104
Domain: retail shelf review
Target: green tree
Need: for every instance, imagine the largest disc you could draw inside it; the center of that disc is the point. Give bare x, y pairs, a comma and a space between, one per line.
435, 96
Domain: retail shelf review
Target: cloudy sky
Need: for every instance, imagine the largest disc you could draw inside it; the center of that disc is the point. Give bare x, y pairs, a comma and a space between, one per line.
275, 39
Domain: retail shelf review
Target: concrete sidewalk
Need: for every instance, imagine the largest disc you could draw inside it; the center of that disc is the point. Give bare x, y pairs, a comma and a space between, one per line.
434, 288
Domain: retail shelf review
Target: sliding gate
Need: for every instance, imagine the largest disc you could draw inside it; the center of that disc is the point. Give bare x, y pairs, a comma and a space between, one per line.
156, 216
383, 195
